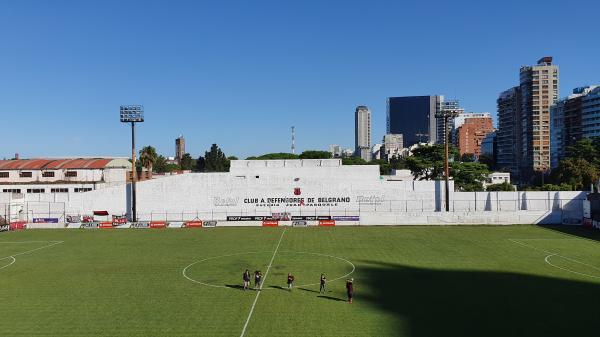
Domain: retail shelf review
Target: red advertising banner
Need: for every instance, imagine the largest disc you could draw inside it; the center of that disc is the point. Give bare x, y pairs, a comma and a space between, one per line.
106, 224
270, 223
118, 220
17, 225
326, 223
158, 224
194, 224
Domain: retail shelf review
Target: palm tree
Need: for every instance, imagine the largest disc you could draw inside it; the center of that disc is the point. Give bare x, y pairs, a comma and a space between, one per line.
148, 157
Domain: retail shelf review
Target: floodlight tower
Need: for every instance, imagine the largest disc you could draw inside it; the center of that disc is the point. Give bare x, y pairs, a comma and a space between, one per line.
446, 114
132, 114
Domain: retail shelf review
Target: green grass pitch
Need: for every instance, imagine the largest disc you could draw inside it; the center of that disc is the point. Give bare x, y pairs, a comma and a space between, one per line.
409, 281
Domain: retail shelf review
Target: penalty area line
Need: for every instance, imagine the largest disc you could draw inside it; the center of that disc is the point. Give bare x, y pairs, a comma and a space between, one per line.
261, 284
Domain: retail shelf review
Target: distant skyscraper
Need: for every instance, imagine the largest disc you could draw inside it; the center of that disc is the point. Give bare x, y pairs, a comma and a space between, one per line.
362, 132
509, 135
179, 148
539, 91
414, 118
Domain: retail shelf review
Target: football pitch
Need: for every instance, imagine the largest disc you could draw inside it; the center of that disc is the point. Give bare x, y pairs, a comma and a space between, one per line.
408, 281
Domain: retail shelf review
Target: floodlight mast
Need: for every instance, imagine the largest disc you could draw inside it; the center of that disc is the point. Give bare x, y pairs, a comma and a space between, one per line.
132, 114
446, 114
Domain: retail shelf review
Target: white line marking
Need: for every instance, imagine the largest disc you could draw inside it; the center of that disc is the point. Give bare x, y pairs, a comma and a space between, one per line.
185, 270
13, 261
13, 257
550, 254
261, 285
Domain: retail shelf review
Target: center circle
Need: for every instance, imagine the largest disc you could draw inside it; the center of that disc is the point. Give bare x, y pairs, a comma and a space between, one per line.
225, 271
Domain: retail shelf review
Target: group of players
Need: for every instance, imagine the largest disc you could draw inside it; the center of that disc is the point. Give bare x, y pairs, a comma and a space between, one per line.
290, 283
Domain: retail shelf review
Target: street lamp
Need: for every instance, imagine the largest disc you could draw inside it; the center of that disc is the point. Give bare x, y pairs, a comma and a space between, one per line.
132, 114
447, 114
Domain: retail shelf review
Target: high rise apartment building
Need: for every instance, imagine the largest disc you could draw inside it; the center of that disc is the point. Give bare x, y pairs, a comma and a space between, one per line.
539, 91
509, 134
471, 133
362, 132
573, 118
453, 105
590, 119
392, 146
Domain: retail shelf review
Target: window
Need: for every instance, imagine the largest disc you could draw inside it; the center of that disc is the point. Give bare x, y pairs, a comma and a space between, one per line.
4, 174
71, 174
59, 190
48, 174
25, 175
11, 190
36, 190
82, 189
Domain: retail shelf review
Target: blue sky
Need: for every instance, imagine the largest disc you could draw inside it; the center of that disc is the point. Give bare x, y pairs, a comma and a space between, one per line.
240, 73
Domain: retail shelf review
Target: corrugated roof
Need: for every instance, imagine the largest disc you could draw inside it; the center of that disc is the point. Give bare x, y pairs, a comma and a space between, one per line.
55, 164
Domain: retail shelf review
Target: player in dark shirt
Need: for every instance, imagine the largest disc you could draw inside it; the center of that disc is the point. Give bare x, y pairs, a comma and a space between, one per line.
290, 281
322, 284
246, 279
257, 279
350, 289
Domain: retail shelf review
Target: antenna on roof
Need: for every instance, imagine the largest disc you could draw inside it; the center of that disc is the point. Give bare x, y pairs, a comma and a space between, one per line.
293, 140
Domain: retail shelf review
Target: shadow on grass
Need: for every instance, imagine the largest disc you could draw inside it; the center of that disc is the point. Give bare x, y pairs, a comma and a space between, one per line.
332, 298
579, 231
308, 290
473, 303
279, 287
236, 286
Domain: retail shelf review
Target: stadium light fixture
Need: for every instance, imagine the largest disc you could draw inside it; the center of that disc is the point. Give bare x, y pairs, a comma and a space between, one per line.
132, 114
446, 114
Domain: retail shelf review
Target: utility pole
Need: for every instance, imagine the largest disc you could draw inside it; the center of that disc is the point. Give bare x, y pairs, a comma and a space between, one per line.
446, 114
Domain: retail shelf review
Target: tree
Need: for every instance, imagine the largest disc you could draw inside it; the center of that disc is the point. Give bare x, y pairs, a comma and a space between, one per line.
384, 167
215, 160
467, 157
200, 164
397, 163
487, 160
427, 162
506, 187
311, 154
148, 157
232, 158
576, 172
271, 156
160, 165
469, 177
587, 148
186, 162
353, 161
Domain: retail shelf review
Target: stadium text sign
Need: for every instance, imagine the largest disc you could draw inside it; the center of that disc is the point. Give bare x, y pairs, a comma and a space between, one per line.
298, 201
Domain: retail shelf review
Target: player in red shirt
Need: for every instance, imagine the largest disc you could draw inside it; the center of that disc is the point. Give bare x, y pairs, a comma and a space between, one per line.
290, 281
350, 289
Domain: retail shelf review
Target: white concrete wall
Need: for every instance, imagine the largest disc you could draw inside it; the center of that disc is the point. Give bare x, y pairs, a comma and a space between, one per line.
214, 196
